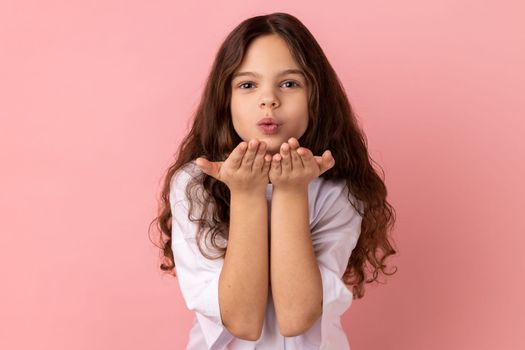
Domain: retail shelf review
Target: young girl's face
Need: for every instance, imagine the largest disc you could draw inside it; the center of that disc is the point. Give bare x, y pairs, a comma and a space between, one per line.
267, 92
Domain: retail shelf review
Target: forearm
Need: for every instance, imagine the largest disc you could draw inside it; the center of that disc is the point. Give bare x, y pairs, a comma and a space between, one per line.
243, 284
295, 277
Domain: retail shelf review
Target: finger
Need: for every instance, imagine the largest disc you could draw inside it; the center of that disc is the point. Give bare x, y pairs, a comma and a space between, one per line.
297, 162
267, 163
305, 154
210, 168
327, 161
286, 163
293, 142
237, 154
258, 162
276, 164
249, 156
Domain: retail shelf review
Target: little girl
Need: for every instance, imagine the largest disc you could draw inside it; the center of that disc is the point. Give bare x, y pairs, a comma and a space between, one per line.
274, 134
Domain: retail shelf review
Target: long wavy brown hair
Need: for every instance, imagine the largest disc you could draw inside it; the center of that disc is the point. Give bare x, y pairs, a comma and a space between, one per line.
332, 125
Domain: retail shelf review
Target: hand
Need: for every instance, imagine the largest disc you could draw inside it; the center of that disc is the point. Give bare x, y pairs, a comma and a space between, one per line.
245, 169
296, 166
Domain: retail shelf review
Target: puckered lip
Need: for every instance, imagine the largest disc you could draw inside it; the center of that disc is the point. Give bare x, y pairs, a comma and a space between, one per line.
268, 121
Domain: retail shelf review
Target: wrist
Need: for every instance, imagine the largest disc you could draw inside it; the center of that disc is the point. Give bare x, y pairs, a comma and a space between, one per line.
248, 192
290, 188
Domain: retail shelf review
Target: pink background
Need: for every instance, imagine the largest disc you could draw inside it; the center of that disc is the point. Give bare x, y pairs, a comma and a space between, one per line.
96, 95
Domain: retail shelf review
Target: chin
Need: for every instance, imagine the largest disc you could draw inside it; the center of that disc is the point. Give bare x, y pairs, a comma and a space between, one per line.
272, 146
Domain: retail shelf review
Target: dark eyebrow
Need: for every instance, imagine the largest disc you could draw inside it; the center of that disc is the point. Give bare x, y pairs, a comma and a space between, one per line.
284, 72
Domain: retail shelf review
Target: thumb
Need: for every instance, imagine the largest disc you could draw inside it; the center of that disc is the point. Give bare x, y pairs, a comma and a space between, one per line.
326, 161
210, 168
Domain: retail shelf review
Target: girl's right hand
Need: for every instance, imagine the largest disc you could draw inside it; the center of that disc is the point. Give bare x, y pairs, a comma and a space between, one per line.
245, 169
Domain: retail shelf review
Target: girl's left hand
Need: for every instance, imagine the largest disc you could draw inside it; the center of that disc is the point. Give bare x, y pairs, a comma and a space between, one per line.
296, 166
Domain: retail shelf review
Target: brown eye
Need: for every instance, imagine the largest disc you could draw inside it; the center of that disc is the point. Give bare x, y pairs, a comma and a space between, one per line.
292, 82
245, 83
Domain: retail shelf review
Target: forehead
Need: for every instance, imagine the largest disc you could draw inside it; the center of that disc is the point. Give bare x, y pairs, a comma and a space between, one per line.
268, 55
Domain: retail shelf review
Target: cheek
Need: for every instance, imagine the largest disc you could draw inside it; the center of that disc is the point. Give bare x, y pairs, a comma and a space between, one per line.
303, 116
240, 113
300, 110
239, 104
235, 109
242, 107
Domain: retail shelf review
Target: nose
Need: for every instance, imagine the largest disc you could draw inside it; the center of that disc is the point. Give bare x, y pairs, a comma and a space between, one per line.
268, 102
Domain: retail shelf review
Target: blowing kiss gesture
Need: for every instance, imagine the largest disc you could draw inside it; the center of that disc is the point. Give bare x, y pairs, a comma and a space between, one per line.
248, 167
296, 166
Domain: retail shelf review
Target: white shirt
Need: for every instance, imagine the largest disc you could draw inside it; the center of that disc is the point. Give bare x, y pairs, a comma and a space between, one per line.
335, 227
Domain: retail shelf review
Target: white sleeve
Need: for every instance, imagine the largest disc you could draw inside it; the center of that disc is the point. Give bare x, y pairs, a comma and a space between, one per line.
198, 277
334, 235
